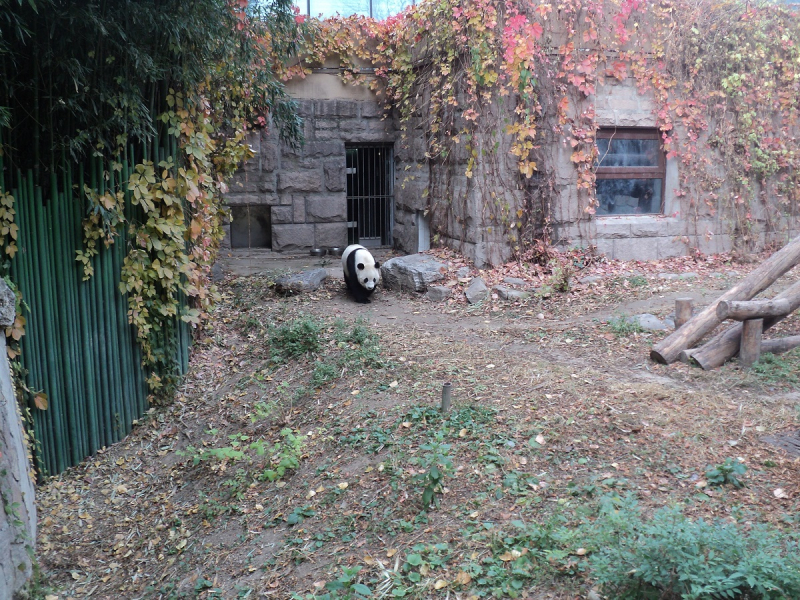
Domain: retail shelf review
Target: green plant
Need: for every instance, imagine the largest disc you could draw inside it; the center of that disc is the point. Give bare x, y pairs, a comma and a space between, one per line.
285, 455
436, 464
560, 275
294, 339
727, 473
344, 587
623, 326
637, 281
779, 368
669, 556
323, 373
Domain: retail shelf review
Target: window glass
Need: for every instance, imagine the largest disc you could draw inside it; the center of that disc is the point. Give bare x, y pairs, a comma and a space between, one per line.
629, 196
630, 171
627, 153
378, 9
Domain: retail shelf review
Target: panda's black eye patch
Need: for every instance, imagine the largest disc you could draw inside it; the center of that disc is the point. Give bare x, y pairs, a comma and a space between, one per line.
366, 279
360, 266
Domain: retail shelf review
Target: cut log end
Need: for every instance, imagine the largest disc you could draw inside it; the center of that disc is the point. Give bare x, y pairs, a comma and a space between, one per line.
656, 356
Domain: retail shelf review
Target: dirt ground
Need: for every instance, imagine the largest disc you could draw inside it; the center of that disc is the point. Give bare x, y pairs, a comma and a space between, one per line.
295, 473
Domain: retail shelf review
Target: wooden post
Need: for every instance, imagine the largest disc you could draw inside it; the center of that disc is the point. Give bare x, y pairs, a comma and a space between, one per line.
763, 276
683, 311
446, 390
724, 346
750, 350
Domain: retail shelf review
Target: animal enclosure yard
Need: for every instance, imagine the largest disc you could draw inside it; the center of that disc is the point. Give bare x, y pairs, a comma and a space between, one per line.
307, 439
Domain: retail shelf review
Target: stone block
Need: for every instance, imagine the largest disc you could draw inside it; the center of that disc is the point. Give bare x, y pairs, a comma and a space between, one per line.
610, 228
269, 157
323, 149
287, 238
371, 110
281, 215
643, 118
670, 246
268, 183
299, 209
300, 181
329, 235
335, 178
305, 108
239, 199
352, 125
335, 108
327, 208
635, 249
323, 124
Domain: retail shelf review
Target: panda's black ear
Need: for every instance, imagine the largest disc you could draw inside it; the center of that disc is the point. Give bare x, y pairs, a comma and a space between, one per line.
377, 265
360, 266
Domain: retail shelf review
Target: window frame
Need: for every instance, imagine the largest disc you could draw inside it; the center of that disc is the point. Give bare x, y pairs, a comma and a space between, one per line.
658, 172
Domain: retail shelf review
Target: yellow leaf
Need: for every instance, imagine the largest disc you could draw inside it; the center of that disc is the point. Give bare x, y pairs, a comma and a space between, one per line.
440, 584
463, 578
40, 401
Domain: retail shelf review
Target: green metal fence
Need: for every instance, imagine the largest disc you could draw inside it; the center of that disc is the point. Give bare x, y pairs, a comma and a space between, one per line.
78, 347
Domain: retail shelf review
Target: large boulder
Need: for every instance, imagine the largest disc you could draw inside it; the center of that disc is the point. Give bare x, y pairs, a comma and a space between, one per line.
305, 281
414, 272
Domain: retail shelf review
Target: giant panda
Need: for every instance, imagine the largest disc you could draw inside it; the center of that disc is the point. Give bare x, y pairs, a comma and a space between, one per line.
361, 272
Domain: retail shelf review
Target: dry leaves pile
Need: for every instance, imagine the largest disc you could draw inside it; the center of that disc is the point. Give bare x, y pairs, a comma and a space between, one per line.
543, 389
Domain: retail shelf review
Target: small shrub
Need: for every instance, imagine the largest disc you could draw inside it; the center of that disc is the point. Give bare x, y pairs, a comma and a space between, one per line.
436, 465
670, 557
323, 373
637, 281
622, 326
727, 473
296, 338
779, 368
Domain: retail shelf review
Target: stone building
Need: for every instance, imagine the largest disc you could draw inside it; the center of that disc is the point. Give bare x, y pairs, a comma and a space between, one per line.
357, 179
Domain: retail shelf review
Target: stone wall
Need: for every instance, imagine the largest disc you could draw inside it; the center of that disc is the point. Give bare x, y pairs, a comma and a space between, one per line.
18, 511
306, 188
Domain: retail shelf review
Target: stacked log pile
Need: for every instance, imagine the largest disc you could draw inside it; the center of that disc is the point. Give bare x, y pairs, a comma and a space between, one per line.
753, 316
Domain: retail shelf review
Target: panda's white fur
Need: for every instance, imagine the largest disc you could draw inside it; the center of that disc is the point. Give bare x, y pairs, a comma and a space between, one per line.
361, 272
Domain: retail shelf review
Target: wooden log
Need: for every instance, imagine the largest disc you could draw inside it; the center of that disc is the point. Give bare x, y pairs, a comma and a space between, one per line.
742, 310
668, 349
683, 311
780, 345
750, 350
724, 346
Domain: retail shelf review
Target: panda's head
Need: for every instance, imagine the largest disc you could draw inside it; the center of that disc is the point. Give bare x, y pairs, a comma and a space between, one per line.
368, 271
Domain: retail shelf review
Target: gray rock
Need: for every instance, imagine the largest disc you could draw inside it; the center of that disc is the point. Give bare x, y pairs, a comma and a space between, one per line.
668, 276
511, 294
515, 281
648, 321
305, 281
589, 279
415, 272
463, 272
476, 291
438, 293
216, 273
8, 305
689, 275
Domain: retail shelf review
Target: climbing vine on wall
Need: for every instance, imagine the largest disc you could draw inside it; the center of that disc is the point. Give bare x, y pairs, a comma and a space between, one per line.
488, 79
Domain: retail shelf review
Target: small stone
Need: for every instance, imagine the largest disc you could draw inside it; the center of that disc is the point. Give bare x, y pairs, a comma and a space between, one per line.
476, 291
510, 294
648, 321
515, 281
462, 272
668, 276
689, 275
438, 293
589, 279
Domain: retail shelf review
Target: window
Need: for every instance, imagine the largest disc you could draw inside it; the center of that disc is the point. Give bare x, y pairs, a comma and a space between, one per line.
251, 226
377, 9
370, 194
630, 172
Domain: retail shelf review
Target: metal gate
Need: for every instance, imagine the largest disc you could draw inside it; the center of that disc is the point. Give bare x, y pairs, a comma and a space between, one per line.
370, 194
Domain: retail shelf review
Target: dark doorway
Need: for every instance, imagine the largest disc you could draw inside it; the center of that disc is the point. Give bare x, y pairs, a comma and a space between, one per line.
251, 226
370, 194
